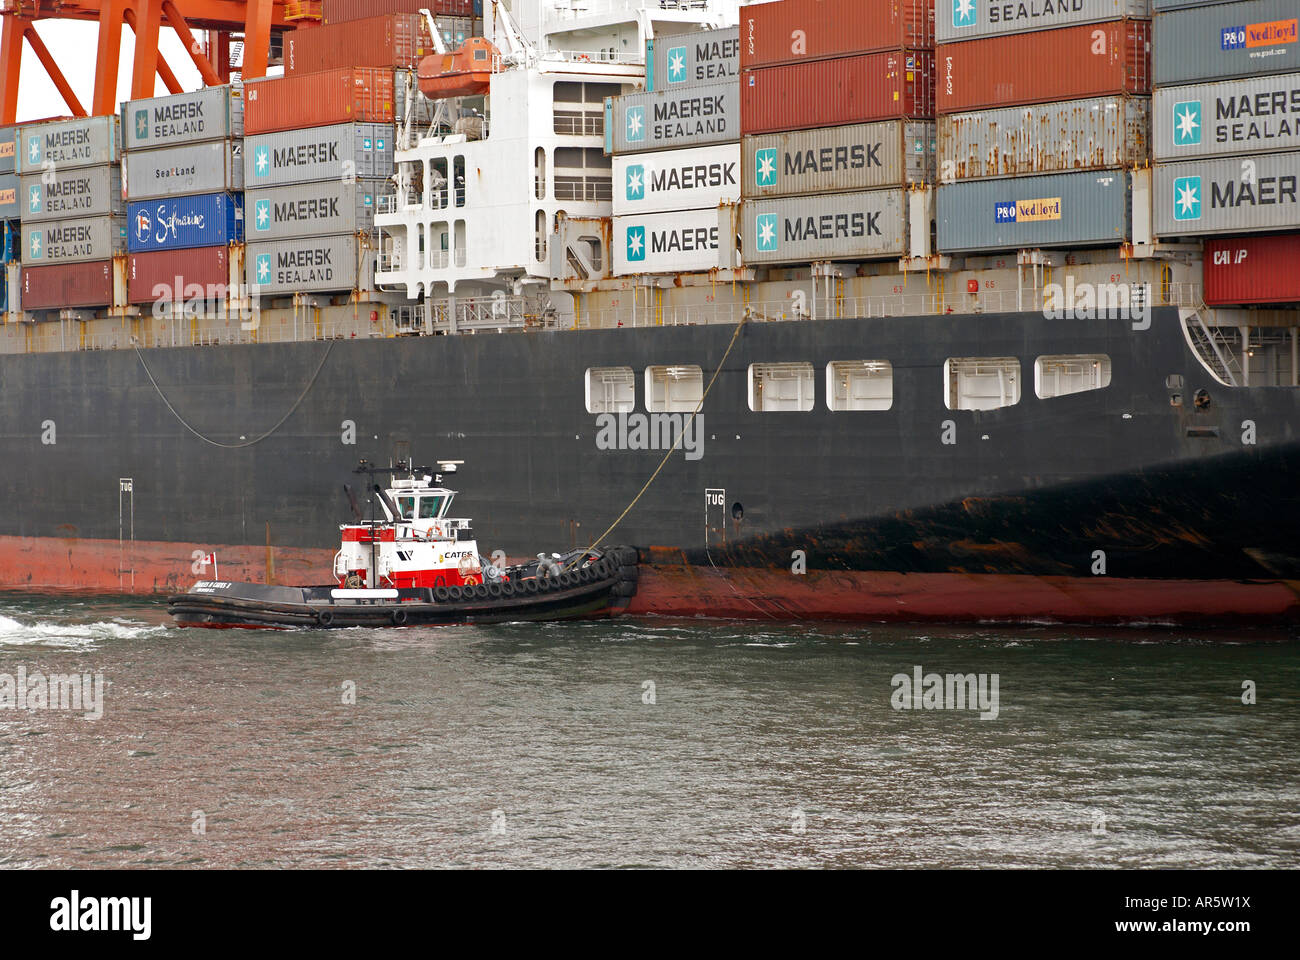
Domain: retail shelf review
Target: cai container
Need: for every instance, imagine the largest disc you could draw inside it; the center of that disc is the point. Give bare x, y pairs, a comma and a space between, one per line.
320, 153
391, 40
1093, 134
178, 223
1064, 210
85, 142
176, 276
350, 95
1070, 63
1252, 270
1225, 41
1232, 195
1255, 115
310, 265
794, 30
312, 209
860, 156
68, 285
668, 119
842, 226
957, 20
690, 179
71, 241
213, 167
675, 61
79, 192
344, 11
682, 242
825, 93
212, 113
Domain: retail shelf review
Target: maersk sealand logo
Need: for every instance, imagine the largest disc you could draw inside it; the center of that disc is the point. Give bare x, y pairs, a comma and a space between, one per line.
635, 123
34, 198
635, 182
765, 167
635, 244
37, 252
1187, 198
963, 13
262, 161
142, 124
262, 215
677, 65
34, 149
263, 268
765, 231
1187, 123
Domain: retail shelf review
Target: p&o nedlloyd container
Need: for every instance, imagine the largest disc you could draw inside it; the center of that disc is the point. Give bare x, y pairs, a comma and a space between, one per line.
663, 120
72, 241
212, 113
85, 142
685, 241
312, 209
1231, 195
213, 167
676, 61
310, 265
957, 20
1227, 40
363, 150
795, 30
10, 209
842, 226
1255, 115
689, 179
79, 192
8, 150
860, 156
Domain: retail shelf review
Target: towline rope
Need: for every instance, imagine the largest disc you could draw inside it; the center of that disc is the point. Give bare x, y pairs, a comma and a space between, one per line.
247, 443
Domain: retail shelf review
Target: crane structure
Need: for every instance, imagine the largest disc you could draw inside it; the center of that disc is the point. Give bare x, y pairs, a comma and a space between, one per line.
255, 20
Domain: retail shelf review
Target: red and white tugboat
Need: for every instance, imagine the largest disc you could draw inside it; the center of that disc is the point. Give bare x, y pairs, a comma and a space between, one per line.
419, 565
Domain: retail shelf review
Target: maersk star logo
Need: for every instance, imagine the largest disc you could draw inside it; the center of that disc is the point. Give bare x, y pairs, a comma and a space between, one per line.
142, 124
33, 149
1187, 198
677, 65
635, 182
262, 161
765, 231
635, 123
963, 13
34, 199
263, 268
262, 215
1187, 123
765, 167
635, 244
36, 249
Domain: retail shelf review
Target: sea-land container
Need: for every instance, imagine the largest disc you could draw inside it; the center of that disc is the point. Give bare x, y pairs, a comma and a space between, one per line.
686, 241
178, 276
70, 285
313, 209
690, 179
343, 11
310, 265
797, 30
1070, 63
1231, 195
1064, 210
350, 95
178, 223
1093, 134
84, 142
1258, 269
957, 20
861, 156
9, 206
335, 152
213, 167
389, 40
842, 226
667, 119
1255, 115
80, 192
675, 61
71, 241
212, 113
1228, 40
826, 93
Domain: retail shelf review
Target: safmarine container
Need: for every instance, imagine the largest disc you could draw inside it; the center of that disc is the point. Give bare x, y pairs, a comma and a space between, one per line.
690, 179
957, 20
1226, 41
1093, 134
390, 40
342, 11
212, 113
70, 241
1234, 195
79, 192
672, 118
312, 209
1252, 270
859, 156
310, 265
9, 206
796, 30
1255, 115
824, 93
175, 276
178, 223
1072, 209
63, 285
362, 150
676, 61
213, 167
842, 226
681, 242
86, 142
351, 95
1071, 63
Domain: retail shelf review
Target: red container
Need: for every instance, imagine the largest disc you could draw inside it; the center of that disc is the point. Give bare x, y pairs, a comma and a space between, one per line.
200, 274
1071, 63
344, 11
351, 95
828, 93
68, 285
792, 31
393, 40
1252, 270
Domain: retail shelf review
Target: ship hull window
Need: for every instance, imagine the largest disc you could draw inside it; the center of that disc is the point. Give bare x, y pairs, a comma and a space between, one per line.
610, 390
860, 385
981, 383
778, 387
673, 389
1060, 376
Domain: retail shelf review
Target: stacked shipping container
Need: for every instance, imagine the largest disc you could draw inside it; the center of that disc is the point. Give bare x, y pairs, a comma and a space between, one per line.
9, 229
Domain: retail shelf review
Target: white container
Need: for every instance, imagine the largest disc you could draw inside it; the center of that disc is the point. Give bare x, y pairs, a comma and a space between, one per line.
676, 179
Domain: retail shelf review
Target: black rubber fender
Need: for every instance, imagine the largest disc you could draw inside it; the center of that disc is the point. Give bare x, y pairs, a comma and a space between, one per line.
400, 617
441, 594
325, 618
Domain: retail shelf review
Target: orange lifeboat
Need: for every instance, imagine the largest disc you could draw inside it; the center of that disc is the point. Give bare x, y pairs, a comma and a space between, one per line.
465, 73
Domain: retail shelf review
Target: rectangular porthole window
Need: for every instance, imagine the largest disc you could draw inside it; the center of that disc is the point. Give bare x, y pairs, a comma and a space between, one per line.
981, 383
611, 390
675, 389
1061, 375
860, 385
781, 387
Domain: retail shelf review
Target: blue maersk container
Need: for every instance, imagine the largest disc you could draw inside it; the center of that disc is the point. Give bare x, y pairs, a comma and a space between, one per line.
179, 223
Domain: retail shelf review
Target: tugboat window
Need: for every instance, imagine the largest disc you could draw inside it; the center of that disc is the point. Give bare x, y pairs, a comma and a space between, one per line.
406, 506
429, 507
981, 383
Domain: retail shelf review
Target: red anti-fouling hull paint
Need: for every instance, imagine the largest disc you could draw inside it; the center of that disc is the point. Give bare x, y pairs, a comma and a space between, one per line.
1252, 270
797, 30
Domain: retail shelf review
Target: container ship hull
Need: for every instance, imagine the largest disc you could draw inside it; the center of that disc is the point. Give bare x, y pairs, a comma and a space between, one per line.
1130, 503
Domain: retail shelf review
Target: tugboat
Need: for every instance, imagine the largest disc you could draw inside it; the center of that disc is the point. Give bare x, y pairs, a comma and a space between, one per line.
419, 566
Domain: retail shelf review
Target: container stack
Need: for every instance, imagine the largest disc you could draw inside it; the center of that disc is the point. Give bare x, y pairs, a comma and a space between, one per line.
73, 216
10, 239
1227, 142
676, 156
837, 109
1043, 116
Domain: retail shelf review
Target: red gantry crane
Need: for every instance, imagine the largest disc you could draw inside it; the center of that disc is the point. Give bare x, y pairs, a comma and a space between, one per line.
253, 19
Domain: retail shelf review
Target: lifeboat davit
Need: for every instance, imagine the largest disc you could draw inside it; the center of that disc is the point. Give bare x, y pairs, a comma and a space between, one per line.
465, 73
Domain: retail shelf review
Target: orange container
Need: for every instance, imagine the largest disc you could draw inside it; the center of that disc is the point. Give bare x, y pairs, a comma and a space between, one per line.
392, 40
348, 95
